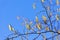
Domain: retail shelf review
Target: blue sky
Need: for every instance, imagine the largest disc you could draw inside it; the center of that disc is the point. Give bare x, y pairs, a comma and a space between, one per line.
10, 9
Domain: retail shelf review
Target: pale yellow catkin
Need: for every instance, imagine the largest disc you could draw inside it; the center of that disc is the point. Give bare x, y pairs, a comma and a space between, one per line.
28, 26
42, 0
44, 18
11, 28
36, 19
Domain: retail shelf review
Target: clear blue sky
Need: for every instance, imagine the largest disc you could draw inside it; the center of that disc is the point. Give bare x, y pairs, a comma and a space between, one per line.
9, 9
